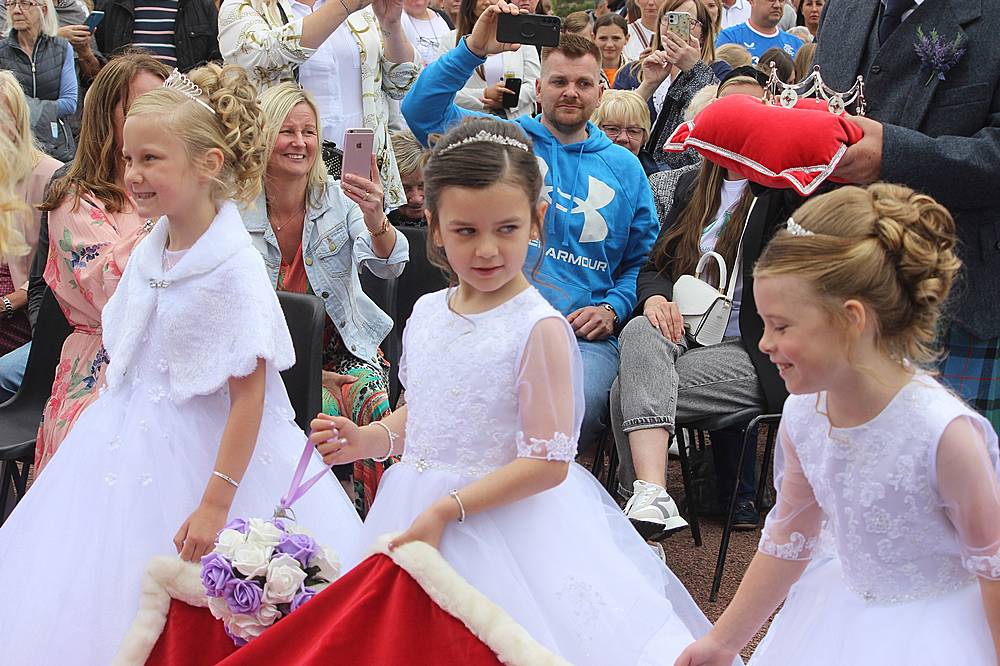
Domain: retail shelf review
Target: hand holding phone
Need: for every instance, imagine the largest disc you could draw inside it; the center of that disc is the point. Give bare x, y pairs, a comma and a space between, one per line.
679, 23
534, 29
483, 39
359, 145
511, 99
94, 19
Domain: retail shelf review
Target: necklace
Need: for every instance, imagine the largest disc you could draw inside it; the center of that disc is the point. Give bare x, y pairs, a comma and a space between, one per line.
298, 214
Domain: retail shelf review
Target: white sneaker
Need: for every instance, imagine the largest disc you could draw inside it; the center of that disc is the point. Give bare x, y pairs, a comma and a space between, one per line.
653, 512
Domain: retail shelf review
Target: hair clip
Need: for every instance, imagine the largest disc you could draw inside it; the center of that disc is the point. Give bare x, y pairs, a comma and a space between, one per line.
787, 94
185, 86
482, 136
796, 229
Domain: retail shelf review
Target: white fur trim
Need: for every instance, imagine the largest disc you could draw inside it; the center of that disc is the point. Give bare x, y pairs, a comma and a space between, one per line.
166, 578
511, 642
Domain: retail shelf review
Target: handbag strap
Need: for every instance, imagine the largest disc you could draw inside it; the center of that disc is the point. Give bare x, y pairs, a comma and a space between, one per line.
738, 263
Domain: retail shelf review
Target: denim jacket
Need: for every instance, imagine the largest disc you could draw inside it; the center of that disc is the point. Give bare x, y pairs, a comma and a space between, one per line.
336, 246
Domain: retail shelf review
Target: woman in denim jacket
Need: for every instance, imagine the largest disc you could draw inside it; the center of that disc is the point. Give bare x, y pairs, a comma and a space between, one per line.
316, 235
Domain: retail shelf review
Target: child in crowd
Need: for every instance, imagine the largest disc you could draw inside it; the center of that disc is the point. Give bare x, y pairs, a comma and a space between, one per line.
902, 471
489, 431
194, 426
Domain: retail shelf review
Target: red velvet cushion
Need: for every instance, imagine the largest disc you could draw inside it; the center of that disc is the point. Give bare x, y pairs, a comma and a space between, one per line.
191, 637
770, 145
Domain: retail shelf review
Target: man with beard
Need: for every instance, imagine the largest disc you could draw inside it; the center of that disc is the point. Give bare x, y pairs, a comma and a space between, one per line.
600, 223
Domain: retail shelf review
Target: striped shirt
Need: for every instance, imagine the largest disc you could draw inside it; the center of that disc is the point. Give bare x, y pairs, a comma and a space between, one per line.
153, 28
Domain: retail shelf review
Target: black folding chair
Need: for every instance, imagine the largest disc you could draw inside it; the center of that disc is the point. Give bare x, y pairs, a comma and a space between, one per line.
21, 415
305, 316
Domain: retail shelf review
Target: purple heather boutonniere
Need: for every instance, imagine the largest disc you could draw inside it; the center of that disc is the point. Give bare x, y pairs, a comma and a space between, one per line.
937, 56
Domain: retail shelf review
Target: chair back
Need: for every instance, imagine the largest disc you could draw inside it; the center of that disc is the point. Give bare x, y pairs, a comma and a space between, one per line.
305, 316
397, 297
51, 331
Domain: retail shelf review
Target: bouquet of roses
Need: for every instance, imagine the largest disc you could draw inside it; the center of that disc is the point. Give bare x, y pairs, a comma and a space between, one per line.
262, 570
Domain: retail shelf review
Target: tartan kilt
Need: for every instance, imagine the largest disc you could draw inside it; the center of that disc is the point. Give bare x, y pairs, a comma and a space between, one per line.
971, 369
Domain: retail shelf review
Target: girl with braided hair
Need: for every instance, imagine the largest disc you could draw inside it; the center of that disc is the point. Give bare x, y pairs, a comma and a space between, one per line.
194, 426
902, 472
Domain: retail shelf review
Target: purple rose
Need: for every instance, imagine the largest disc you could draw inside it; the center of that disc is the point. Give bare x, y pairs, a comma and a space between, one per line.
242, 596
238, 524
216, 572
305, 595
300, 546
239, 642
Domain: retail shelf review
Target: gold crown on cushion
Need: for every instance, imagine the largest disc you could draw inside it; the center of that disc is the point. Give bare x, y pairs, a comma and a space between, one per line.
787, 94
185, 86
482, 136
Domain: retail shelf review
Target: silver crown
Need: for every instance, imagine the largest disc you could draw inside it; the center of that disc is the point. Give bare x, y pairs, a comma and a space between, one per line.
482, 136
185, 86
787, 94
796, 229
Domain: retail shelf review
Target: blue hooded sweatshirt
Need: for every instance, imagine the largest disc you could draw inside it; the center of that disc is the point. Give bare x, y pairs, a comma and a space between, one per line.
601, 222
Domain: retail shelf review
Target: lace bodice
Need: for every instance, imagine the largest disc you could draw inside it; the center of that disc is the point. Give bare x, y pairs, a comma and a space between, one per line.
484, 389
910, 521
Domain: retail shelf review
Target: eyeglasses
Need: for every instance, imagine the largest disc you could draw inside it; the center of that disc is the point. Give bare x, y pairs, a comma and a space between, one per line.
24, 4
613, 131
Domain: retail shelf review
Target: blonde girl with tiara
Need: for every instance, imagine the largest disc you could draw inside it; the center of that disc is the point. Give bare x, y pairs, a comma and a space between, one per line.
194, 427
490, 428
902, 472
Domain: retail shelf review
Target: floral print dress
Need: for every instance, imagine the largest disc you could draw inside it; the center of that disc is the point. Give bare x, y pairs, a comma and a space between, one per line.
88, 248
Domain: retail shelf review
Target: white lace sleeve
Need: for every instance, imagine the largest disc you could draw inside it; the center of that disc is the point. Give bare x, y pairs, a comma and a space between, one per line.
967, 472
792, 528
549, 393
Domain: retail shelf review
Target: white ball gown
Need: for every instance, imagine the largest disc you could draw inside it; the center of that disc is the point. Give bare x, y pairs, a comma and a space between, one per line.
136, 463
565, 563
913, 526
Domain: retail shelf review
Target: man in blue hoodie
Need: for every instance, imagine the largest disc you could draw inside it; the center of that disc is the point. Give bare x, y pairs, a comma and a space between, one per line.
600, 224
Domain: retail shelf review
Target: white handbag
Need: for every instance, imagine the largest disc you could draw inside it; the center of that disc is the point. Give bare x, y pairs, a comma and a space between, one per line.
705, 308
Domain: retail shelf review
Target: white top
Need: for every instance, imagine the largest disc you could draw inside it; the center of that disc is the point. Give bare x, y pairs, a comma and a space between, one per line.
913, 518
661, 93
333, 76
732, 190
738, 13
640, 38
426, 35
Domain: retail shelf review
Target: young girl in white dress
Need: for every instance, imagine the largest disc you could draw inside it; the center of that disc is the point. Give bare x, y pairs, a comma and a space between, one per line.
489, 431
903, 473
195, 426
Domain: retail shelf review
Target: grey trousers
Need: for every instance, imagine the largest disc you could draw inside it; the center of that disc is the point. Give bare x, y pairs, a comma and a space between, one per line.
661, 383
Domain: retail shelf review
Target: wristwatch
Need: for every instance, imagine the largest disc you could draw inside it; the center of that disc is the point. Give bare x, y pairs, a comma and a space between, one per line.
8, 307
607, 306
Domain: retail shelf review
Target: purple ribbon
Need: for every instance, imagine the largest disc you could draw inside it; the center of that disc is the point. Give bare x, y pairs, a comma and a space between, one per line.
298, 488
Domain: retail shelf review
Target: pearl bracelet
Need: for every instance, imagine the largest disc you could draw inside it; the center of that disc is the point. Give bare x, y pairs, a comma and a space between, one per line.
392, 442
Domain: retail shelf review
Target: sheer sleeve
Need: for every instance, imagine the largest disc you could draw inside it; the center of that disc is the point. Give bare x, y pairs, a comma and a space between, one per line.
967, 473
792, 528
549, 393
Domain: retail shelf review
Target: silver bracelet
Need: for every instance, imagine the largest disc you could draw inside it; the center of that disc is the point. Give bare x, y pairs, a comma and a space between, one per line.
228, 479
392, 442
461, 507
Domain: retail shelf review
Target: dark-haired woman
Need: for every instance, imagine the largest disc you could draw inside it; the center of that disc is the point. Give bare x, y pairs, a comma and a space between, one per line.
92, 229
485, 89
610, 35
731, 377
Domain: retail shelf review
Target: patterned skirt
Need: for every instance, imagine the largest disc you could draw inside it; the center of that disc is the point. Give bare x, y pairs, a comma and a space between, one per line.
15, 331
971, 370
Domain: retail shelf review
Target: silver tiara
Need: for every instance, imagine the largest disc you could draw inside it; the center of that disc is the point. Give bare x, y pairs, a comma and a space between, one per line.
482, 136
787, 94
185, 86
796, 229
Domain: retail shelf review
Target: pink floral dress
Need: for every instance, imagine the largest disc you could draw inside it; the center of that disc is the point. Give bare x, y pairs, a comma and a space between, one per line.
88, 248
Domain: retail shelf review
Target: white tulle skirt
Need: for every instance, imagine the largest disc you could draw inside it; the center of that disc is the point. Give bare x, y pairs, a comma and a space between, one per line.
565, 564
824, 622
123, 481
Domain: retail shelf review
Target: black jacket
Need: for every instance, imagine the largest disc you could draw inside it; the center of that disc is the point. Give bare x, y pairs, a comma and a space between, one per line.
772, 210
196, 32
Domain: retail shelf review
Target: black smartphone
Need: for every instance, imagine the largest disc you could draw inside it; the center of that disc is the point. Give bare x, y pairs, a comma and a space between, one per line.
534, 29
511, 99
94, 19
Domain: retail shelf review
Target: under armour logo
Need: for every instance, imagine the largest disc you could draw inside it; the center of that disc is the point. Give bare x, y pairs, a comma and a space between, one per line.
599, 195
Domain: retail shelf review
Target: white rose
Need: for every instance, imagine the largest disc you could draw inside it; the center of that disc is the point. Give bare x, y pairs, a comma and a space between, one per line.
251, 559
284, 579
328, 563
219, 608
268, 614
245, 626
293, 528
263, 534
227, 542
